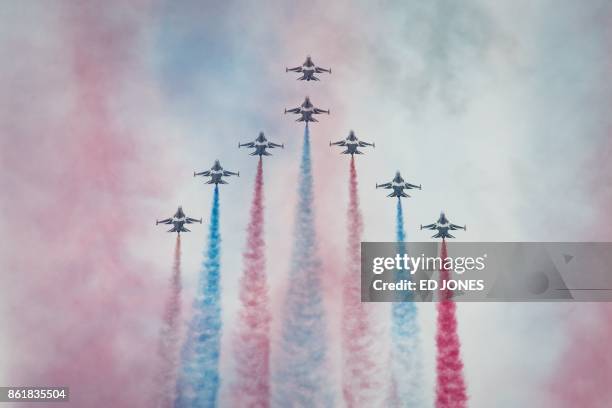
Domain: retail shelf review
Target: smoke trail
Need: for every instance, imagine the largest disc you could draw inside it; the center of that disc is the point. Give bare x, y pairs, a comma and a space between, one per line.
198, 382
252, 343
450, 385
300, 378
361, 379
77, 289
168, 348
407, 370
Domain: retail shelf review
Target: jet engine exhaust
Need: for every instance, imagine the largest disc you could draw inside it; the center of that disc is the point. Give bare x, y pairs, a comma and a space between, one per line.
361, 376
406, 364
198, 382
252, 339
450, 384
301, 376
168, 347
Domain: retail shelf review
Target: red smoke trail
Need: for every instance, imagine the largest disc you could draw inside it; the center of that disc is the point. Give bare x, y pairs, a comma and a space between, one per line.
360, 386
169, 339
450, 387
252, 342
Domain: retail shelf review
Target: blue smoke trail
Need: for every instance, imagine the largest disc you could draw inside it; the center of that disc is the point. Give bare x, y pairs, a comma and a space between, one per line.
198, 382
406, 367
301, 378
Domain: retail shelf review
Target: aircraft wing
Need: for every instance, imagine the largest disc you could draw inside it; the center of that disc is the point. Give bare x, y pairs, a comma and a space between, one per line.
409, 186
204, 173
250, 144
166, 221
190, 220
317, 111
384, 185
318, 70
340, 143
230, 173
273, 145
456, 227
364, 144
296, 69
429, 226
294, 110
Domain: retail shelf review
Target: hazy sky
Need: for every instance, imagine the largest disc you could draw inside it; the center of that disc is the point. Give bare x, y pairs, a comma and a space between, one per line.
499, 109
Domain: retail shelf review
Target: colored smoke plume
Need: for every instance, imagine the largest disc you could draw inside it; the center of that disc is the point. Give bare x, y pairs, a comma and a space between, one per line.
168, 349
198, 383
252, 342
450, 385
361, 376
301, 377
406, 364
78, 299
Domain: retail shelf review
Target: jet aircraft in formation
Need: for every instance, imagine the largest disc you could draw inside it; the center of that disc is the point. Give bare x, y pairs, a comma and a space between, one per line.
352, 144
260, 145
216, 174
178, 221
398, 185
306, 111
443, 226
308, 70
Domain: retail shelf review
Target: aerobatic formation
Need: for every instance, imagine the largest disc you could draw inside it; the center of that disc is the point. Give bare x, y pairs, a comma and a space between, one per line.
198, 379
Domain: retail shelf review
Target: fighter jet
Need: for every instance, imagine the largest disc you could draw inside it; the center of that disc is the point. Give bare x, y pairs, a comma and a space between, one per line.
260, 145
308, 69
216, 174
178, 220
398, 185
352, 144
306, 110
443, 225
